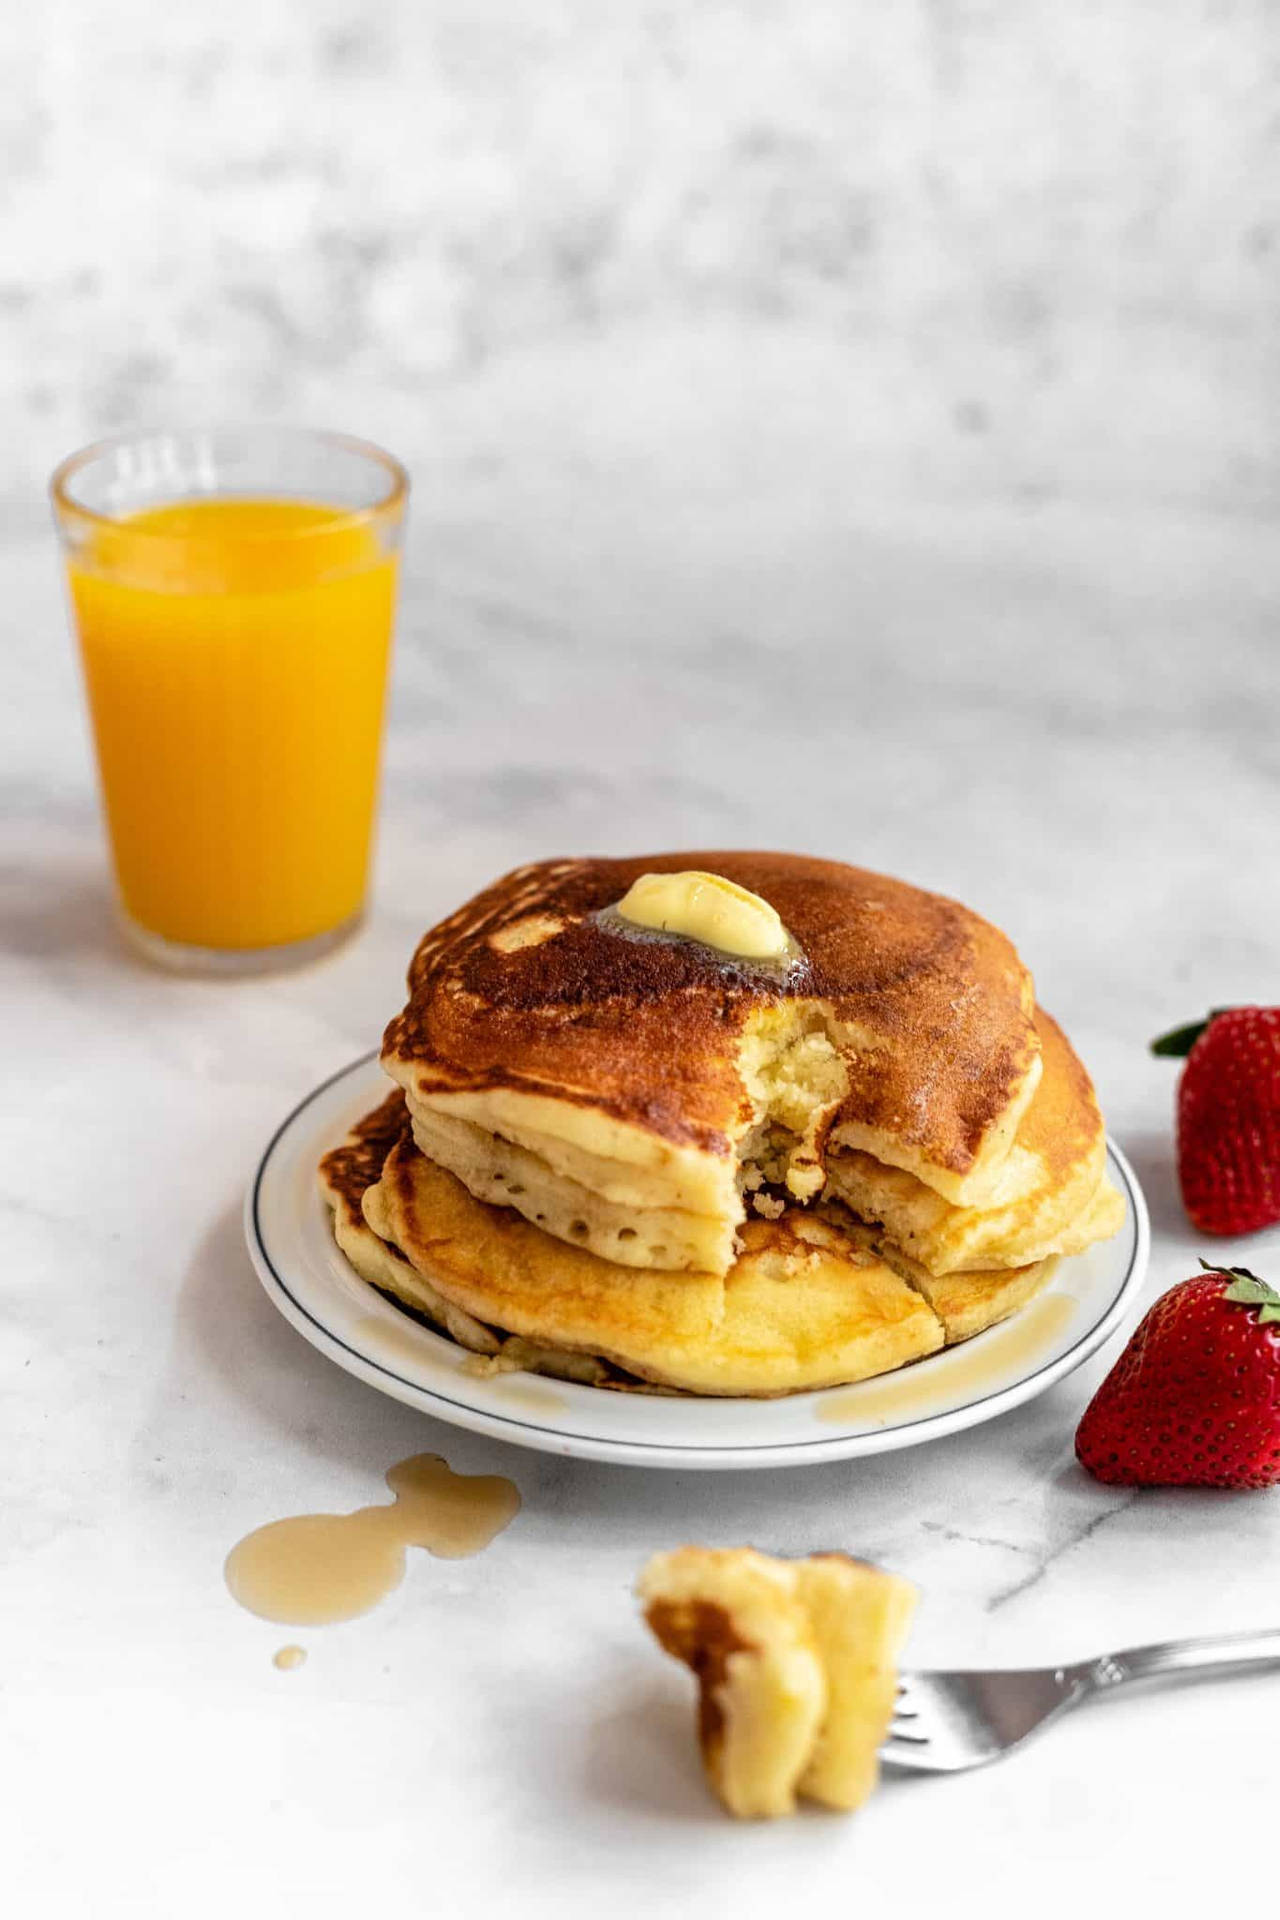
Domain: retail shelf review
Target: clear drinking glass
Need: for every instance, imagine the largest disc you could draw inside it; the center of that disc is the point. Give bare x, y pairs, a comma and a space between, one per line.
234, 594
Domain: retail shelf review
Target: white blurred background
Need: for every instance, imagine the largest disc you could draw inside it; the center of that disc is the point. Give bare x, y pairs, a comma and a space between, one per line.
1009, 245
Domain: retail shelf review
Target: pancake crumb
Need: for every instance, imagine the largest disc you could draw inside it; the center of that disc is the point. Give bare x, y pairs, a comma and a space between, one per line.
768, 1205
484, 1366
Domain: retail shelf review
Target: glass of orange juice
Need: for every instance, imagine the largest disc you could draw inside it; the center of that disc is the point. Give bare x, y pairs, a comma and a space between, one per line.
234, 594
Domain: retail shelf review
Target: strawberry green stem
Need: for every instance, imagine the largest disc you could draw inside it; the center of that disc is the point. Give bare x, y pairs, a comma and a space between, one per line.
1246, 1290
1178, 1042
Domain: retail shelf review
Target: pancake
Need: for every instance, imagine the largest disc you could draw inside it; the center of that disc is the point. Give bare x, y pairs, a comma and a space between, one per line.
1053, 1197
623, 1155
507, 1173
803, 1306
734, 1618
969, 1303
796, 1662
499, 1287
860, 1617
645, 1080
346, 1174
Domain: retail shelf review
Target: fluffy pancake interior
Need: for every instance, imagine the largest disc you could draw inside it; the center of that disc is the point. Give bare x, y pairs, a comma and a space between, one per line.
600, 1211
860, 1617
656, 1214
1052, 1197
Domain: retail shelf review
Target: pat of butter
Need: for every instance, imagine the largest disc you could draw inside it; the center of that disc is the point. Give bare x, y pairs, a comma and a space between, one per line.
709, 908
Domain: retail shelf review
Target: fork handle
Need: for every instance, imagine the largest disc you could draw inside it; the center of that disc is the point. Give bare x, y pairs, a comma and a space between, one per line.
1213, 1653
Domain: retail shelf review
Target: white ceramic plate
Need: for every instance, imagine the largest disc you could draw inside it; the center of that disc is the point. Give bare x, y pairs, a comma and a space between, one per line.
287, 1227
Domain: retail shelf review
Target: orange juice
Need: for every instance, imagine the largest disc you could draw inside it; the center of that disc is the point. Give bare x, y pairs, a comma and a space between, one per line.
235, 651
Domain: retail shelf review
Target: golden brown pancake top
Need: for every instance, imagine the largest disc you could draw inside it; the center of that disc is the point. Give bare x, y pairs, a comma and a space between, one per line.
1062, 1126
524, 988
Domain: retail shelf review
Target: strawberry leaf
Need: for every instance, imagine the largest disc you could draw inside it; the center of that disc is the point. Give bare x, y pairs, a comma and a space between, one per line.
1246, 1290
1252, 1293
1177, 1044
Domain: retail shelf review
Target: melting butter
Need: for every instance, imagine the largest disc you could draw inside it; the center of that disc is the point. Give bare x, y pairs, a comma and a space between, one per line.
984, 1362
318, 1568
708, 908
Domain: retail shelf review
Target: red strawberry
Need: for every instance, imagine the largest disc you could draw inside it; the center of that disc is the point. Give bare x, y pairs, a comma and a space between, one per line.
1194, 1399
1229, 1119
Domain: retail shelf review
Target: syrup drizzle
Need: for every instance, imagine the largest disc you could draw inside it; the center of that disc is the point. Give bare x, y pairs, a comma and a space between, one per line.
321, 1567
986, 1363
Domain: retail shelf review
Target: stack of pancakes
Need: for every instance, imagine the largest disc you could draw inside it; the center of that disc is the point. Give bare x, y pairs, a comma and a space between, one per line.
631, 1159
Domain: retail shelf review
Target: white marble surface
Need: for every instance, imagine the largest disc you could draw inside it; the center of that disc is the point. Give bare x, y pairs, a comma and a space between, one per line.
843, 428
1065, 717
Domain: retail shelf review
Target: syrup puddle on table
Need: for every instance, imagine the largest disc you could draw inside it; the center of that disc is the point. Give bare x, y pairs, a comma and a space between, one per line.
322, 1567
987, 1363
287, 1658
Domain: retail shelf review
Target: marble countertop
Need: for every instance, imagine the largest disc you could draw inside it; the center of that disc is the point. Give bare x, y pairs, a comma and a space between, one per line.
1064, 714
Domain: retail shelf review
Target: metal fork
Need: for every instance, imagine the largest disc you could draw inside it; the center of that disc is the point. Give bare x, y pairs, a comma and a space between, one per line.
947, 1721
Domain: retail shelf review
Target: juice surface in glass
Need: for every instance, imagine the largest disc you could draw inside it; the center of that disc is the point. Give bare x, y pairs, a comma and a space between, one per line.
235, 652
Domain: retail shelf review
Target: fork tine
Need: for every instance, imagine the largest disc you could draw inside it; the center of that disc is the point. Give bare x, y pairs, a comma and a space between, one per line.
907, 1743
899, 1750
906, 1705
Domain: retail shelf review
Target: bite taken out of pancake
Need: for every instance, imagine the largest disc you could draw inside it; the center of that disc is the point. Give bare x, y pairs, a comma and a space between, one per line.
814, 1299
652, 1075
803, 1306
